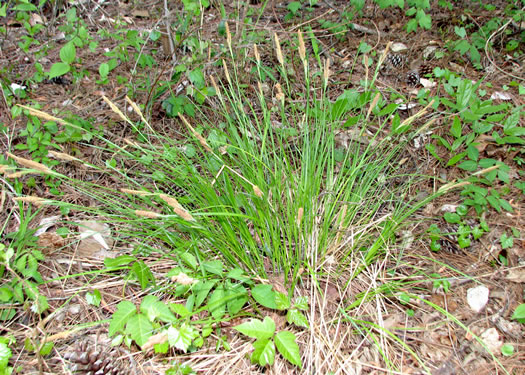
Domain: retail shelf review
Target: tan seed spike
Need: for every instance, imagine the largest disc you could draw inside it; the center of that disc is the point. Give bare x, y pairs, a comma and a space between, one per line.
373, 104
63, 156
278, 50
43, 115
257, 191
115, 109
31, 164
385, 53
302, 48
148, 214
226, 72
17, 174
228, 36
141, 193
37, 201
201, 139
326, 71
138, 111
300, 213
256, 54
179, 210
214, 84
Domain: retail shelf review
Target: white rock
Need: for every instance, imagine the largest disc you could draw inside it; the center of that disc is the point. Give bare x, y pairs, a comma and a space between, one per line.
500, 95
398, 47
478, 297
491, 339
449, 207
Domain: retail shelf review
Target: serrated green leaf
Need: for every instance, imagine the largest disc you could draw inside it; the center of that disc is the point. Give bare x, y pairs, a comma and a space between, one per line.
264, 352
182, 338
125, 310
155, 309
301, 303
139, 328
285, 342
282, 301
257, 329
142, 273
506, 241
264, 295
294, 316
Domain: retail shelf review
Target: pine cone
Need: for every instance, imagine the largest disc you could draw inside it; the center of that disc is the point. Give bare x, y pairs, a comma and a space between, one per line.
396, 60
413, 78
425, 69
88, 361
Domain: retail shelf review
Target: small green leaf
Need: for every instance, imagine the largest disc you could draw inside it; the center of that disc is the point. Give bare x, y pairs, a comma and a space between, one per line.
264, 295
282, 301
294, 316
58, 69
451, 217
301, 303
122, 260
46, 348
455, 129
285, 342
142, 273
201, 290
217, 303
182, 338
5, 354
519, 313
179, 309
235, 305
190, 260
125, 310
103, 70
460, 31
507, 350
264, 352
68, 53
139, 328
215, 266
94, 298
294, 6
257, 329
506, 241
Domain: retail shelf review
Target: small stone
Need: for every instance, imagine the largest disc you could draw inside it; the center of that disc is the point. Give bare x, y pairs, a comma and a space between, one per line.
398, 47
478, 297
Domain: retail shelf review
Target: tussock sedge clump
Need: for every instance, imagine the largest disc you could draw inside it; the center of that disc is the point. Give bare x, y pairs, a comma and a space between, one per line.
268, 186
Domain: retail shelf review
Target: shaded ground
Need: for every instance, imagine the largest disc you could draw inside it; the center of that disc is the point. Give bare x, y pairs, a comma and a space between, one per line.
444, 347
